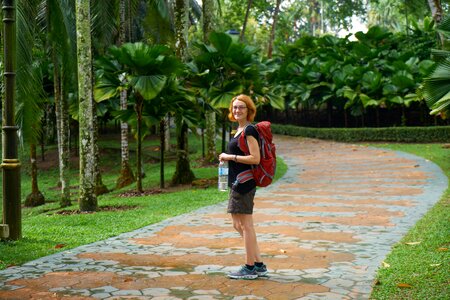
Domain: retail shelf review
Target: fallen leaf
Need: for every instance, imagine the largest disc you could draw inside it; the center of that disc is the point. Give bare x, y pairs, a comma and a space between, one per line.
59, 246
435, 265
413, 243
442, 249
385, 264
404, 285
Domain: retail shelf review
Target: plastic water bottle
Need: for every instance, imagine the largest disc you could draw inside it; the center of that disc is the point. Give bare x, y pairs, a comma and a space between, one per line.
223, 176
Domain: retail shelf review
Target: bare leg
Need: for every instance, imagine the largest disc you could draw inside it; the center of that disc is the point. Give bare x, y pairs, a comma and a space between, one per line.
243, 223
237, 224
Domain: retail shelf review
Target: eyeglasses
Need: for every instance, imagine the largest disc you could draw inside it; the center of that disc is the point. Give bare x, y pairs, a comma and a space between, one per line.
239, 107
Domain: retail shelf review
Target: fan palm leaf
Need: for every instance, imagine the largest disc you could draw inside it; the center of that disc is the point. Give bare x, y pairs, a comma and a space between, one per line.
436, 88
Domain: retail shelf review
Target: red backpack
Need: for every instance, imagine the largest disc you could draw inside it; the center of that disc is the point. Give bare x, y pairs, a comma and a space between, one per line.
265, 171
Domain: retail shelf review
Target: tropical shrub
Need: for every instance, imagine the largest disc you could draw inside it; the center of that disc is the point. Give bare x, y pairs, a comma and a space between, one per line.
378, 70
225, 68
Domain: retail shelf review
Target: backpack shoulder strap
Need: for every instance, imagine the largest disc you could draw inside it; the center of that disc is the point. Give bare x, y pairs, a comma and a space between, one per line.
242, 142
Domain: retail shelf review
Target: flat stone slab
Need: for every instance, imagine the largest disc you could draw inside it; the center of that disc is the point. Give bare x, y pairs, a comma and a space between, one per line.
323, 231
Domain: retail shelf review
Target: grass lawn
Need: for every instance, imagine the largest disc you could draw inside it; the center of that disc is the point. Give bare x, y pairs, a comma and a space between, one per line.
47, 229
418, 266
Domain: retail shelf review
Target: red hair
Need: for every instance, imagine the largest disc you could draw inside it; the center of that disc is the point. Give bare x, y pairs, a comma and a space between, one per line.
251, 107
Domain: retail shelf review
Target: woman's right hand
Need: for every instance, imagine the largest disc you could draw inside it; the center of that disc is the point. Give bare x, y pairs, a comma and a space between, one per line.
225, 157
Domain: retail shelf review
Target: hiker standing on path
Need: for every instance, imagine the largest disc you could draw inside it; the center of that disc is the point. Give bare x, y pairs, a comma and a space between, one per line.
240, 204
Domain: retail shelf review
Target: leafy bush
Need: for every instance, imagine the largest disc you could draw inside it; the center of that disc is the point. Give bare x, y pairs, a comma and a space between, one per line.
379, 70
387, 134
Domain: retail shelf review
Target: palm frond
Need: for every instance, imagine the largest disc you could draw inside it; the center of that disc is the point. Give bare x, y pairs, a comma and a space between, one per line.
436, 87
162, 7
444, 26
30, 94
105, 23
57, 19
158, 22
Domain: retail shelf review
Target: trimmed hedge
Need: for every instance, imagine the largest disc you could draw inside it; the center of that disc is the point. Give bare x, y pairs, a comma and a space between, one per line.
435, 134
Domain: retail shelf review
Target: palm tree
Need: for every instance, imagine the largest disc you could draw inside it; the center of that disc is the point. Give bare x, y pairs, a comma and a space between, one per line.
209, 24
113, 24
222, 69
247, 14
436, 87
145, 70
173, 100
58, 21
183, 173
29, 91
88, 159
272, 31
126, 173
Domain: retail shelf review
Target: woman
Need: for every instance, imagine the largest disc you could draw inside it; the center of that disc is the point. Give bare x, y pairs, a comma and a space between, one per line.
240, 203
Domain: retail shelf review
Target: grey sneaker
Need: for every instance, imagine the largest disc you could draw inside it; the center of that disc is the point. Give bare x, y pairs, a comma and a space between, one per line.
261, 271
244, 273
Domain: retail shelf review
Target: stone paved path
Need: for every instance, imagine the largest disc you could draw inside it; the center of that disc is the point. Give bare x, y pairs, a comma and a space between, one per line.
323, 230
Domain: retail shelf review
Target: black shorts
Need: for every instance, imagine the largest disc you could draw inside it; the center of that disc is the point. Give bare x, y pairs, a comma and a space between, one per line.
241, 203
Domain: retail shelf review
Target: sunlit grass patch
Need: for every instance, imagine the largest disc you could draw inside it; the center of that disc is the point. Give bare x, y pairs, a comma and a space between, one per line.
418, 266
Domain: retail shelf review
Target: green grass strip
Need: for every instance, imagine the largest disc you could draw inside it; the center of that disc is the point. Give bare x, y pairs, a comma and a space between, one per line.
418, 266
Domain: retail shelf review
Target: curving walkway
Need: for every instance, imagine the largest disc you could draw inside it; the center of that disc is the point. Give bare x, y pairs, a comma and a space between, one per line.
323, 229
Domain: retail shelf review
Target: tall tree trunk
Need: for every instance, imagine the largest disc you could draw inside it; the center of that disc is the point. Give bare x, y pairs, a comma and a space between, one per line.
209, 22
436, 10
181, 12
183, 173
126, 174
210, 123
162, 135
138, 108
202, 133
209, 18
167, 133
62, 129
65, 145
272, 31
100, 187
437, 13
42, 139
247, 14
314, 11
57, 98
224, 135
35, 198
88, 160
